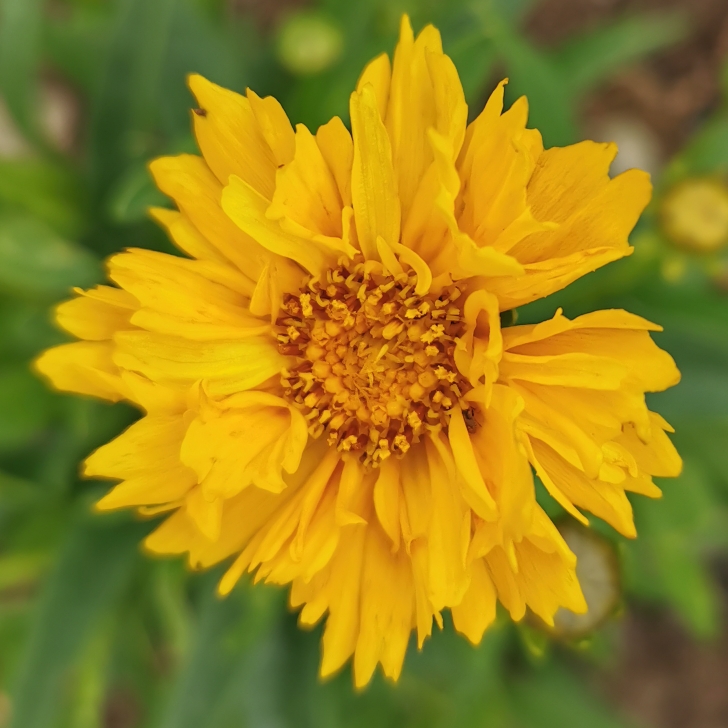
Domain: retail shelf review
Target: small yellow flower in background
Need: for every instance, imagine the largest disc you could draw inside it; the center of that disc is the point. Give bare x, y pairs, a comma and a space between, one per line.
329, 397
693, 219
694, 215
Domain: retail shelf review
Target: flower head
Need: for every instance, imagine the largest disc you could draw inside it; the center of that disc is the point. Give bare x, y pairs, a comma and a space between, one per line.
694, 215
329, 398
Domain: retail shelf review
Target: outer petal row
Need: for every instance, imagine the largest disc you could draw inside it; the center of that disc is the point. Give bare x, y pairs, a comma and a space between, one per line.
587, 429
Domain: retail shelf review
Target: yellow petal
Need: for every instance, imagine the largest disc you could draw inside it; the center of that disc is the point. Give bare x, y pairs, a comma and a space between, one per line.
386, 499
568, 178
184, 294
448, 536
247, 209
504, 579
205, 513
613, 336
474, 357
477, 609
544, 277
243, 445
605, 221
95, 315
378, 73
188, 239
189, 182
418, 265
462, 449
416, 506
348, 502
314, 490
471, 260
185, 235
658, 455
386, 608
151, 443
306, 190
342, 626
227, 366
275, 127
84, 367
569, 369
373, 186
494, 195
411, 110
146, 457
337, 148
230, 136
173, 536
153, 488
547, 582
604, 500
503, 464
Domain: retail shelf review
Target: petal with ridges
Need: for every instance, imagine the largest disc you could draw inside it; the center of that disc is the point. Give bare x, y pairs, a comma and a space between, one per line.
247, 209
373, 186
230, 138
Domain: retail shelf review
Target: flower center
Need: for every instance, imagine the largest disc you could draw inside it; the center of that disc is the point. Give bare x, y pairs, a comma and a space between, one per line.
374, 361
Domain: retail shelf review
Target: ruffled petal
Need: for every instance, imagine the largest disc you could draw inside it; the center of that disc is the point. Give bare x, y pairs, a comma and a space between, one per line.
232, 138
590, 436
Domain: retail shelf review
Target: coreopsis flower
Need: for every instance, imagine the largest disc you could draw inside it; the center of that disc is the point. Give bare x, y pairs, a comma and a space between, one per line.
329, 399
693, 220
694, 215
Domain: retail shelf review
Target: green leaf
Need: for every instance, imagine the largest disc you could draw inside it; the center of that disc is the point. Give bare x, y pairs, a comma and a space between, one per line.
706, 440
17, 492
25, 329
25, 406
534, 75
222, 51
667, 562
20, 29
478, 696
133, 195
36, 262
555, 698
74, 37
21, 568
142, 103
94, 565
473, 55
44, 190
87, 709
591, 57
227, 638
707, 151
514, 10
124, 107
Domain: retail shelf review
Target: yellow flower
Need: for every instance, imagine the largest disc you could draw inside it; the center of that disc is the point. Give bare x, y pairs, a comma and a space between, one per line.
694, 215
329, 397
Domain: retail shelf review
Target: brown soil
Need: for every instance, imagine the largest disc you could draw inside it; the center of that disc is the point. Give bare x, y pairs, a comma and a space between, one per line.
665, 679
671, 91
266, 12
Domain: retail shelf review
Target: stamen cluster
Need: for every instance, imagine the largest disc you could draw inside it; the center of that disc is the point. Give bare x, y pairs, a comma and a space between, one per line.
374, 361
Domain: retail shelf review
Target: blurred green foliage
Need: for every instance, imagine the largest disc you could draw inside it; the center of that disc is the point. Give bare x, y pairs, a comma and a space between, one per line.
94, 634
